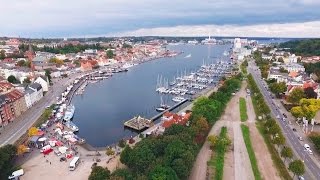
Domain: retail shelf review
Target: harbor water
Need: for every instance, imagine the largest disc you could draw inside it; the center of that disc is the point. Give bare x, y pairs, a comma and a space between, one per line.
104, 106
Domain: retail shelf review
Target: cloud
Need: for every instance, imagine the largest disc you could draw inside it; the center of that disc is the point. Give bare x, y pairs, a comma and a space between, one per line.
37, 18
301, 30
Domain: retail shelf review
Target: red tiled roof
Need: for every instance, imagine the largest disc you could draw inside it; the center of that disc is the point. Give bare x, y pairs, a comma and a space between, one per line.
177, 119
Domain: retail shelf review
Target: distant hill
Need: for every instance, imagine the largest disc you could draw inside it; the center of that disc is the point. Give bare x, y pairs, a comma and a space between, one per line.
308, 47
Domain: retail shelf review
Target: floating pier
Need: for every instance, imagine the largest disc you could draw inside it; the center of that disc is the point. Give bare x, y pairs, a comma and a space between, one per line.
138, 123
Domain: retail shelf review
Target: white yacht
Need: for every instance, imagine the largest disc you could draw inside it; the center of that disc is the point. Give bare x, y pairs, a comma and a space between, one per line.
69, 113
178, 99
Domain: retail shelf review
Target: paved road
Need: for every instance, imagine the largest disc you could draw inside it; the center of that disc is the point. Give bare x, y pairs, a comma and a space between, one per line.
20, 125
313, 170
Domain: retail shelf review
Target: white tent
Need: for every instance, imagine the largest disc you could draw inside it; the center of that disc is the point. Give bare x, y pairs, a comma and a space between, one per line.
63, 149
52, 143
42, 139
58, 130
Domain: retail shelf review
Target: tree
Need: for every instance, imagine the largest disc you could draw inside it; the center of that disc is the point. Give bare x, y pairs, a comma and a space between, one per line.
279, 139
7, 153
2, 54
286, 152
109, 54
99, 173
278, 88
21, 149
12, 79
109, 151
48, 74
296, 95
26, 81
274, 130
122, 143
282, 70
297, 167
163, 172
32, 131
213, 140
309, 92
121, 174
21, 63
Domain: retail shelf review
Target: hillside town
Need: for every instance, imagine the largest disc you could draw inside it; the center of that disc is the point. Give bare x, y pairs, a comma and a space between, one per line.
26, 74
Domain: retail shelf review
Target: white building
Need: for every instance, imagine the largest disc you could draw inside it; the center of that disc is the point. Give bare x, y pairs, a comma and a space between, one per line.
44, 82
33, 94
293, 67
237, 43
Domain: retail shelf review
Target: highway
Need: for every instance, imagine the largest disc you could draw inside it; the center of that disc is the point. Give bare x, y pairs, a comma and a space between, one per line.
312, 170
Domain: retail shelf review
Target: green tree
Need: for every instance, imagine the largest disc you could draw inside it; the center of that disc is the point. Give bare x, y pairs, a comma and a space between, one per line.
48, 74
99, 173
122, 143
125, 156
21, 63
26, 81
278, 88
7, 153
213, 139
121, 174
296, 95
162, 173
297, 167
309, 93
12, 79
110, 54
286, 152
279, 139
2, 54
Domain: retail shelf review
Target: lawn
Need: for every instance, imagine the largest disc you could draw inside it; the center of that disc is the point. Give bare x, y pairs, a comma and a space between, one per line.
217, 159
243, 109
252, 156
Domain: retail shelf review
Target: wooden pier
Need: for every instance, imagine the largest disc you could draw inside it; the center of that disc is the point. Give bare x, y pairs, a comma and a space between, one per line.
139, 123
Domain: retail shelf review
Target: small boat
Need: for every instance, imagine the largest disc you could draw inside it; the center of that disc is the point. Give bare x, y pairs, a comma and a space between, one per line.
188, 56
162, 106
72, 126
69, 113
178, 99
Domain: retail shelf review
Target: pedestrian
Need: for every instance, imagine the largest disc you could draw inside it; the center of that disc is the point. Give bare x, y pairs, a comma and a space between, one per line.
50, 162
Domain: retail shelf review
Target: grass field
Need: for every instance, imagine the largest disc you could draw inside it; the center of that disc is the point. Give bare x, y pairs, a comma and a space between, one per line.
252, 156
243, 109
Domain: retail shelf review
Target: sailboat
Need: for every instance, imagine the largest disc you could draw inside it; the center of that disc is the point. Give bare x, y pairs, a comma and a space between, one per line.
162, 106
188, 56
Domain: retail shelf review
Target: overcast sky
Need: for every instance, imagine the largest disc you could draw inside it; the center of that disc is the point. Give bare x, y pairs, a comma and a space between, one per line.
79, 18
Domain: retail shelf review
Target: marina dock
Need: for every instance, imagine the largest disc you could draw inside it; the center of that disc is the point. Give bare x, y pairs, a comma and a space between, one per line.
139, 123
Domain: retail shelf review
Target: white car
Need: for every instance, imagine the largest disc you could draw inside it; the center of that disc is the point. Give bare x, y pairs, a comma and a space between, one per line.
309, 151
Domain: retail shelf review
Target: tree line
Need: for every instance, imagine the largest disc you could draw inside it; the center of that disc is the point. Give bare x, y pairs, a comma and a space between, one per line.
307, 47
171, 156
272, 132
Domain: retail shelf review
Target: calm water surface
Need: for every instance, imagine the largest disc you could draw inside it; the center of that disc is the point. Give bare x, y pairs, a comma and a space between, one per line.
104, 106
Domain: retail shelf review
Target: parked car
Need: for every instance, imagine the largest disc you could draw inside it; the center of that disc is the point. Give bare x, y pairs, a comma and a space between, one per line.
300, 138
294, 129
301, 178
285, 115
63, 159
57, 152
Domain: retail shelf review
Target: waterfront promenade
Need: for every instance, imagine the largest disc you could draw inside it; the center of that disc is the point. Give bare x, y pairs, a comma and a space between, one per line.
13, 131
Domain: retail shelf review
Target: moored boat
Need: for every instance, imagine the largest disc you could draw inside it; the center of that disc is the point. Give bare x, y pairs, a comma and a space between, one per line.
69, 113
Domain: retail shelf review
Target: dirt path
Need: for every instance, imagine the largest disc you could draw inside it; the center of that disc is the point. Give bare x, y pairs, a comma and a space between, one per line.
237, 164
265, 164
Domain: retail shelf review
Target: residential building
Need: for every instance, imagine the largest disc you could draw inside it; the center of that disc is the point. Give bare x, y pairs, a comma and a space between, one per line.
85, 66
44, 82
33, 94
293, 67
19, 102
168, 119
6, 110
